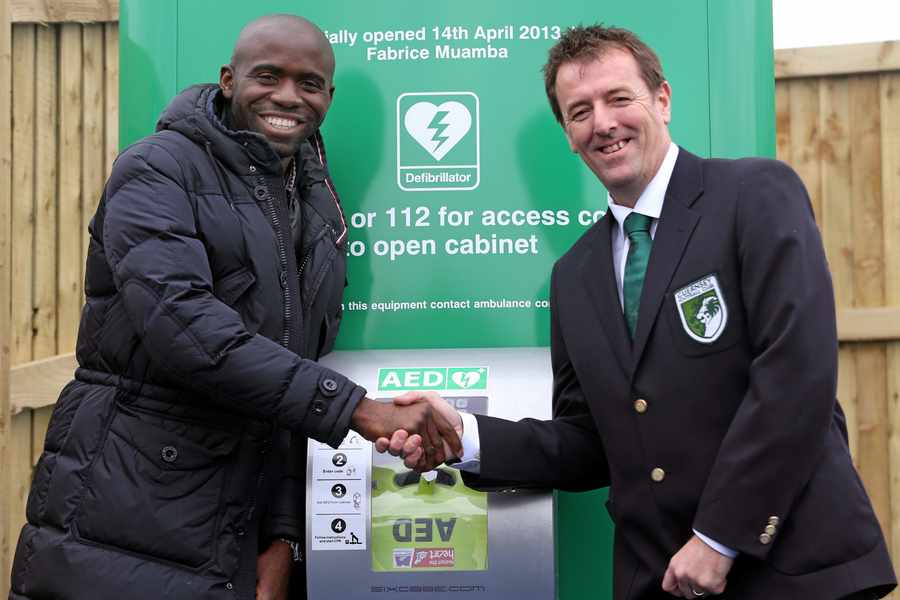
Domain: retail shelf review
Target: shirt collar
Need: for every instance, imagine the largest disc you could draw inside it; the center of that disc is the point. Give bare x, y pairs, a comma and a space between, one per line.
651, 199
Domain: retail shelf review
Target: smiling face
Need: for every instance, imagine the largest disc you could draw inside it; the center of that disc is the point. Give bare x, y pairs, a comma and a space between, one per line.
614, 121
280, 82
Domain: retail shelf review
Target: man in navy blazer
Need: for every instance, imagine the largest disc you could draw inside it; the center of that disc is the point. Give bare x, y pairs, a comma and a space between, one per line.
708, 407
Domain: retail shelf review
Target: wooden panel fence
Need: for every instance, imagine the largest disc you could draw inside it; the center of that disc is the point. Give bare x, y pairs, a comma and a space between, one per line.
63, 135
58, 134
842, 134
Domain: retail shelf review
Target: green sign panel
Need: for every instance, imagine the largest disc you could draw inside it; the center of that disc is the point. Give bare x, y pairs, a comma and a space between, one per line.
459, 186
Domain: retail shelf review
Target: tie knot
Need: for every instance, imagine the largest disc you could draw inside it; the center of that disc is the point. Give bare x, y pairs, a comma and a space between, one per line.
636, 222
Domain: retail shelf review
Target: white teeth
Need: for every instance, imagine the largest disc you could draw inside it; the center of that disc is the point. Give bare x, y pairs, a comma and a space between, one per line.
280, 122
613, 147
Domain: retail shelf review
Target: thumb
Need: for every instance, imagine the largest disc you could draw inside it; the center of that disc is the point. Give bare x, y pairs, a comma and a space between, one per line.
669, 583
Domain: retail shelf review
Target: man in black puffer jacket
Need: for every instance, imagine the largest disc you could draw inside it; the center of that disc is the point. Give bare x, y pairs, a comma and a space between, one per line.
174, 464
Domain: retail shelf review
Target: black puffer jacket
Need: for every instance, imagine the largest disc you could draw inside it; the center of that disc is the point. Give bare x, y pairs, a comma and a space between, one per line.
167, 461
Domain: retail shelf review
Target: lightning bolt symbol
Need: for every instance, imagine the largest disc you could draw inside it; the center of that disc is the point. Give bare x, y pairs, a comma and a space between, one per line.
439, 128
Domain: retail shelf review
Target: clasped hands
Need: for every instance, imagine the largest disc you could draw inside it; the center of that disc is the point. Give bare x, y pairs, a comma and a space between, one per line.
419, 426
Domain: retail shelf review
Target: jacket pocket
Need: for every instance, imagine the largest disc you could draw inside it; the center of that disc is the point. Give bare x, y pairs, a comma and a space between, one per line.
236, 290
693, 327
156, 487
232, 286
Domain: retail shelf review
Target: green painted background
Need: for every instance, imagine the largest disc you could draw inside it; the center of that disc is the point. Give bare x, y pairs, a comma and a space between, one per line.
717, 55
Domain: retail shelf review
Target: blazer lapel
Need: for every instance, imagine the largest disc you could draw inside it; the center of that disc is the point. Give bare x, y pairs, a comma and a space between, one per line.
676, 224
600, 280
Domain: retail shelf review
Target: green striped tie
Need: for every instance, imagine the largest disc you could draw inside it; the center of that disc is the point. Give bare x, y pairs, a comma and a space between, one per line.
637, 228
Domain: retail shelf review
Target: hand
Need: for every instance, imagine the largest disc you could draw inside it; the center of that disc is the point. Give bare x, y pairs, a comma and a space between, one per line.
273, 572
421, 420
410, 447
695, 570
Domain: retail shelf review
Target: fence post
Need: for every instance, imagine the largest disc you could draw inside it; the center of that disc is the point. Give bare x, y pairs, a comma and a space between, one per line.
6, 537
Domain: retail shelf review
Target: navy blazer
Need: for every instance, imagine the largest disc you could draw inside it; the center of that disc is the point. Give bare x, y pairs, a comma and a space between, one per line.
721, 415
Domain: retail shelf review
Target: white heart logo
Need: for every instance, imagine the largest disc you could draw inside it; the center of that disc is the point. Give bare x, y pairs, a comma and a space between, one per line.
465, 380
438, 128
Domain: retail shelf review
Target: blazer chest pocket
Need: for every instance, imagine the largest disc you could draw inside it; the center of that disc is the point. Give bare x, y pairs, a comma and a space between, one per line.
156, 487
704, 316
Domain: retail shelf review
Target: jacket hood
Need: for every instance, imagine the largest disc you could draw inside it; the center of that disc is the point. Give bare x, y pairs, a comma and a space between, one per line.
194, 114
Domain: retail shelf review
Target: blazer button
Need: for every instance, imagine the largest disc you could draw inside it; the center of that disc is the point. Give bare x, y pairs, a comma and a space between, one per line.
765, 539
773, 520
770, 530
657, 474
640, 406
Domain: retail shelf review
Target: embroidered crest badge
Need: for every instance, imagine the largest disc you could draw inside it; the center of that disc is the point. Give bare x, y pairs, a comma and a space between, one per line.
701, 306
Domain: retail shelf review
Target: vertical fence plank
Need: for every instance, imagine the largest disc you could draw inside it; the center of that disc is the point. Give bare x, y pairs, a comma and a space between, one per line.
19, 463
111, 32
783, 121
93, 154
804, 136
69, 260
5, 288
19, 457
869, 275
890, 190
40, 420
45, 194
837, 228
23, 184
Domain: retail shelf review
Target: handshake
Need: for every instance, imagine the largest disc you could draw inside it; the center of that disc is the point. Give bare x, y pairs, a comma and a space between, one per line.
419, 426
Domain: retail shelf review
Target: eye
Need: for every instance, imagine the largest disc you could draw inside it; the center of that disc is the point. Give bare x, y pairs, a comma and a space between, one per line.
266, 79
579, 115
621, 100
311, 85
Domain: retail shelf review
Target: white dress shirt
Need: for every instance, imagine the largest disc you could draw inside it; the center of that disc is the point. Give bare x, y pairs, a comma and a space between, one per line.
650, 204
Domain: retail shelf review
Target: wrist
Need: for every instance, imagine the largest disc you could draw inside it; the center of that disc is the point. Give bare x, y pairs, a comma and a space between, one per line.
292, 546
363, 416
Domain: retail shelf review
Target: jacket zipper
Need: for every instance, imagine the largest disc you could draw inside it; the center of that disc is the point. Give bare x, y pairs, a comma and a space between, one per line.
325, 229
282, 256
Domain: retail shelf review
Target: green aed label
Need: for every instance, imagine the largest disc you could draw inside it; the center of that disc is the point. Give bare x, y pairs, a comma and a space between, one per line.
432, 378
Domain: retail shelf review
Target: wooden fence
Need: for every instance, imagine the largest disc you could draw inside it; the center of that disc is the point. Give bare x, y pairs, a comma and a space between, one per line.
62, 137
838, 125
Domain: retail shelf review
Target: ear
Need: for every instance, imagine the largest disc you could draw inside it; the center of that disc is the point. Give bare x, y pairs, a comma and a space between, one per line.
226, 80
664, 101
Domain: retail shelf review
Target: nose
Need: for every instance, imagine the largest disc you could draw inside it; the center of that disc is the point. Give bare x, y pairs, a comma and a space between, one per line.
605, 121
286, 94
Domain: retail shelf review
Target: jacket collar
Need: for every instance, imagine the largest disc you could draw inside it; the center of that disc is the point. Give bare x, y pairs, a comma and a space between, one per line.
676, 225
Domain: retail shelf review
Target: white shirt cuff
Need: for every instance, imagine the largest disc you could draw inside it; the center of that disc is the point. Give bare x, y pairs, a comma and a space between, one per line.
723, 550
471, 457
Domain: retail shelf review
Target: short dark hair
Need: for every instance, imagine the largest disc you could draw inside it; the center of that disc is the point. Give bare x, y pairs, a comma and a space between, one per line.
583, 42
